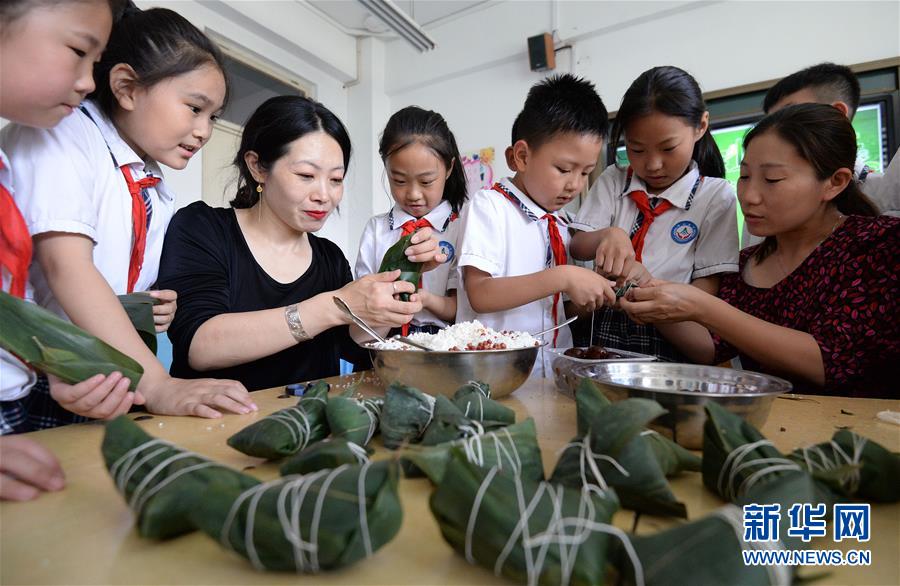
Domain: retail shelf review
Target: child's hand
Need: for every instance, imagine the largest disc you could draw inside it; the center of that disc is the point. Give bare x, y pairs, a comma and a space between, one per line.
613, 253
635, 272
27, 468
99, 397
425, 248
164, 313
588, 289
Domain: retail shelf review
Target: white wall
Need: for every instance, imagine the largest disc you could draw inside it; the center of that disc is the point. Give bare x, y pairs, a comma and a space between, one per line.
479, 75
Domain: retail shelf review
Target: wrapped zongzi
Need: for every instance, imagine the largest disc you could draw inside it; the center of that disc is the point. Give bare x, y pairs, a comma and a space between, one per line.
320, 521
531, 532
405, 415
512, 449
287, 431
613, 453
161, 482
356, 420
328, 453
474, 400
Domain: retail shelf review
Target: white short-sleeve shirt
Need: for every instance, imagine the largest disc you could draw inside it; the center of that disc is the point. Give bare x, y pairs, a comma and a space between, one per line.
499, 238
68, 180
696, 238
16, 379
384, 230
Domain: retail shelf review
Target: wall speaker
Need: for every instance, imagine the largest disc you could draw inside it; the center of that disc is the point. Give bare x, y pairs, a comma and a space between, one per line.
541, 56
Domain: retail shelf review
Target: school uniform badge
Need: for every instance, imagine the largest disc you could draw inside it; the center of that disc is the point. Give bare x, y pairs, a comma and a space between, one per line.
684, 232
447, 248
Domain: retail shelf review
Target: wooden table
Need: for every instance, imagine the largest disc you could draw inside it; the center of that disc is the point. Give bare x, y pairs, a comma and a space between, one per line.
85, 534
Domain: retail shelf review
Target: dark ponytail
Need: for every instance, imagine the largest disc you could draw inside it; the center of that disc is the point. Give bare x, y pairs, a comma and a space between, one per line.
413, 124
278, 122
158, 44
673, 92
826, 140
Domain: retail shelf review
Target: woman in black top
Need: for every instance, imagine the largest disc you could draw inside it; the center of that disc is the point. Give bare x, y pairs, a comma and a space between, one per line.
254, 284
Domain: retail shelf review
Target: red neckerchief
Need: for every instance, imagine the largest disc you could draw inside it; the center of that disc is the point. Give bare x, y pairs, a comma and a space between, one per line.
138, 223
15, 242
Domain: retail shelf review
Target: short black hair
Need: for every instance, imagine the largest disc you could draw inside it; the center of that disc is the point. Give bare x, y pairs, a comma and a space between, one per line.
829, 81
558, 104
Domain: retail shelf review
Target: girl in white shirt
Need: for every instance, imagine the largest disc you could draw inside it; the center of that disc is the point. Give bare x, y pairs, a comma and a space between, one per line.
669, 215
95, 205
55, 46
428, 185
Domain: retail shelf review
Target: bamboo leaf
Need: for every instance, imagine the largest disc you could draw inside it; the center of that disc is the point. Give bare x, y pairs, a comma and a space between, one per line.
56, 346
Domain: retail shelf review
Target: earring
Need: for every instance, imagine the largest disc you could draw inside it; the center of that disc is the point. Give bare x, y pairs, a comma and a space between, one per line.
259, 188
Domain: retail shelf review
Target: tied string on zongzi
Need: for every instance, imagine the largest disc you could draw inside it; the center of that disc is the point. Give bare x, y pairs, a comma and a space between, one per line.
429, 409
291, 497
360, 452
473, 448
734, 465
129, 463
296, 422
373, 412
840, 459
779, 575
588, 459
535, 546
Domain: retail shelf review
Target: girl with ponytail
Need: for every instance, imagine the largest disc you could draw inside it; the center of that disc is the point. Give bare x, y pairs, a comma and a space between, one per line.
670, 214
817, 301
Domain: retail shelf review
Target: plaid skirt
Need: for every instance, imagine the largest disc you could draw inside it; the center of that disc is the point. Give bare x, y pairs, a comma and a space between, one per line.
614, 329
35, 411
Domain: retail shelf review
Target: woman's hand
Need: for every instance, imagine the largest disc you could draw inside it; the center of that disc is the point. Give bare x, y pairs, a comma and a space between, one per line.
374, 299
615, 254
27, 469
164, 313
425, 248
201, 397
664, 302
99, 397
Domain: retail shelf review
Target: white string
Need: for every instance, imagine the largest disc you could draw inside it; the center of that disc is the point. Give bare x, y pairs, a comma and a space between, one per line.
372, 410
734, 465
779, 575
427, 409
292, 493
300, 429
125, 467
473, 447
588, 459
482, 389
360, 452
851, 479
556, 532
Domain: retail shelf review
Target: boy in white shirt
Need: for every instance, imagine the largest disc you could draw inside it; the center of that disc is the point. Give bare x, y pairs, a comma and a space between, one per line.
513, 259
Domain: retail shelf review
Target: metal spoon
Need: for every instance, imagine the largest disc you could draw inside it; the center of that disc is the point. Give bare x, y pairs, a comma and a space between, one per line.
556, 327
357, 320
406, 340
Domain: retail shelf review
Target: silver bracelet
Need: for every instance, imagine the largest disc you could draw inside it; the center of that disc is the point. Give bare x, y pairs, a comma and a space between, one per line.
292, 317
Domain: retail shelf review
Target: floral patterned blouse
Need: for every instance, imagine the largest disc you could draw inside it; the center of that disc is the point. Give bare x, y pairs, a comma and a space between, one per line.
845, 294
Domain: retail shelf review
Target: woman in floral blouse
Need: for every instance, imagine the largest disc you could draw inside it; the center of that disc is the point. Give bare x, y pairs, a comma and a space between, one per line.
817, 301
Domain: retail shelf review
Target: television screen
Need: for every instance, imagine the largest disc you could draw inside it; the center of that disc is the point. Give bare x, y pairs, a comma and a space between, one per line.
871, 141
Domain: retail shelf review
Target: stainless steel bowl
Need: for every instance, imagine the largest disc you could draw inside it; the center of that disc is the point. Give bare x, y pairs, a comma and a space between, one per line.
684, 389
563, 366
441, 373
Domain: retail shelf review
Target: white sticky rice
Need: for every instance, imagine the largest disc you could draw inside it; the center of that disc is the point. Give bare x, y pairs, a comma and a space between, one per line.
470, 335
